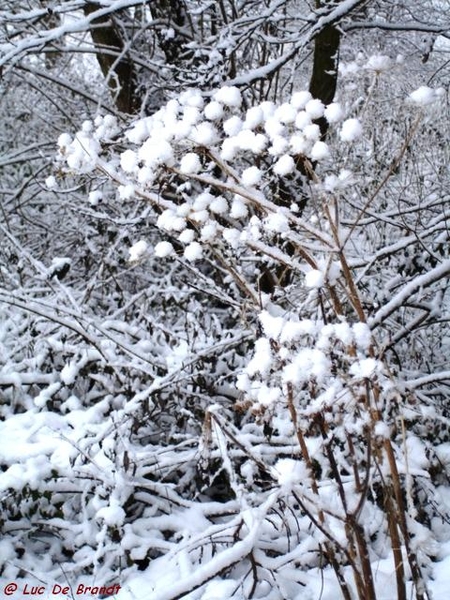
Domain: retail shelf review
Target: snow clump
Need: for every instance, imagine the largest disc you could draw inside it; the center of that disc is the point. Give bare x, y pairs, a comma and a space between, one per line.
378, 63
163, 249
284, 165
300, 99
213, 111
424, 96
51, 182
351, 130
138, 250
251, 176
229, 96
334, 113
314, 279
320, 151
366, 368
95, 197
290, 472
193, 251
190, 163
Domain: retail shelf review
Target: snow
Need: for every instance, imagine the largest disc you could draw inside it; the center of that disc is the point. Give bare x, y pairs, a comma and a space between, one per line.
170, 221
344, 333
279, 145
295, 330
312, 132
423, 96
204, 134
190, 163
382, 430
156, 152
96, 197
378, 63
238, 208
346, 178
366, 368
64, 141
274, 128
209, 231
219, 205
262, 358
232, 236
302, 120
362, 335
138, 250
139, 132
351, 130
113, 515
232, 126
308, 363
267, 395
191, 116
82, 153
299, 144
213, 111
219, 590
59, 264
248, 140
285, 113
284, 165
314, 279
229, 149
320, 151
163, 249
331, 183
125, 193
251, 176
290, 472
187, 236
276, 222
268, 108
272, 326
315, 109
193, 252
51, 182
229, 96
191, 98
300, 99
334, 113
416, 453
200, 216
254, 117
69, 372
184, 385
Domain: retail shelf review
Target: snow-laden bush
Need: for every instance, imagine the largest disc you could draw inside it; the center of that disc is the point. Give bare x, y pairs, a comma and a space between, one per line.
259, 405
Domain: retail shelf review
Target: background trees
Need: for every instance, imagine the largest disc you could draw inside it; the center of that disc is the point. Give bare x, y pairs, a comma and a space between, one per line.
224, 342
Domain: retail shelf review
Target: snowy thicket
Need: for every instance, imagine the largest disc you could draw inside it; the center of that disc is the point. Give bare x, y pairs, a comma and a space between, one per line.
224, 335
253, 383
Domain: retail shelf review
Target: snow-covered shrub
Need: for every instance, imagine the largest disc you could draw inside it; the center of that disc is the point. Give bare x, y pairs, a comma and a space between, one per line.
243, 397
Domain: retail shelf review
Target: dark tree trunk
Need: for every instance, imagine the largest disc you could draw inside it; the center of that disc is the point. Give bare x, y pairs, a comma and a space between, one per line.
325, 69
117, 67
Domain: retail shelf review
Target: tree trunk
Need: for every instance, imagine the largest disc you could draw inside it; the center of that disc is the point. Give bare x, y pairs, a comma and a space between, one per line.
325, 67
117, 67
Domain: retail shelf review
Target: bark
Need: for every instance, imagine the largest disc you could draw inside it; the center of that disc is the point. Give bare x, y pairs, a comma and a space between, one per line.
117, 66
325, 69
